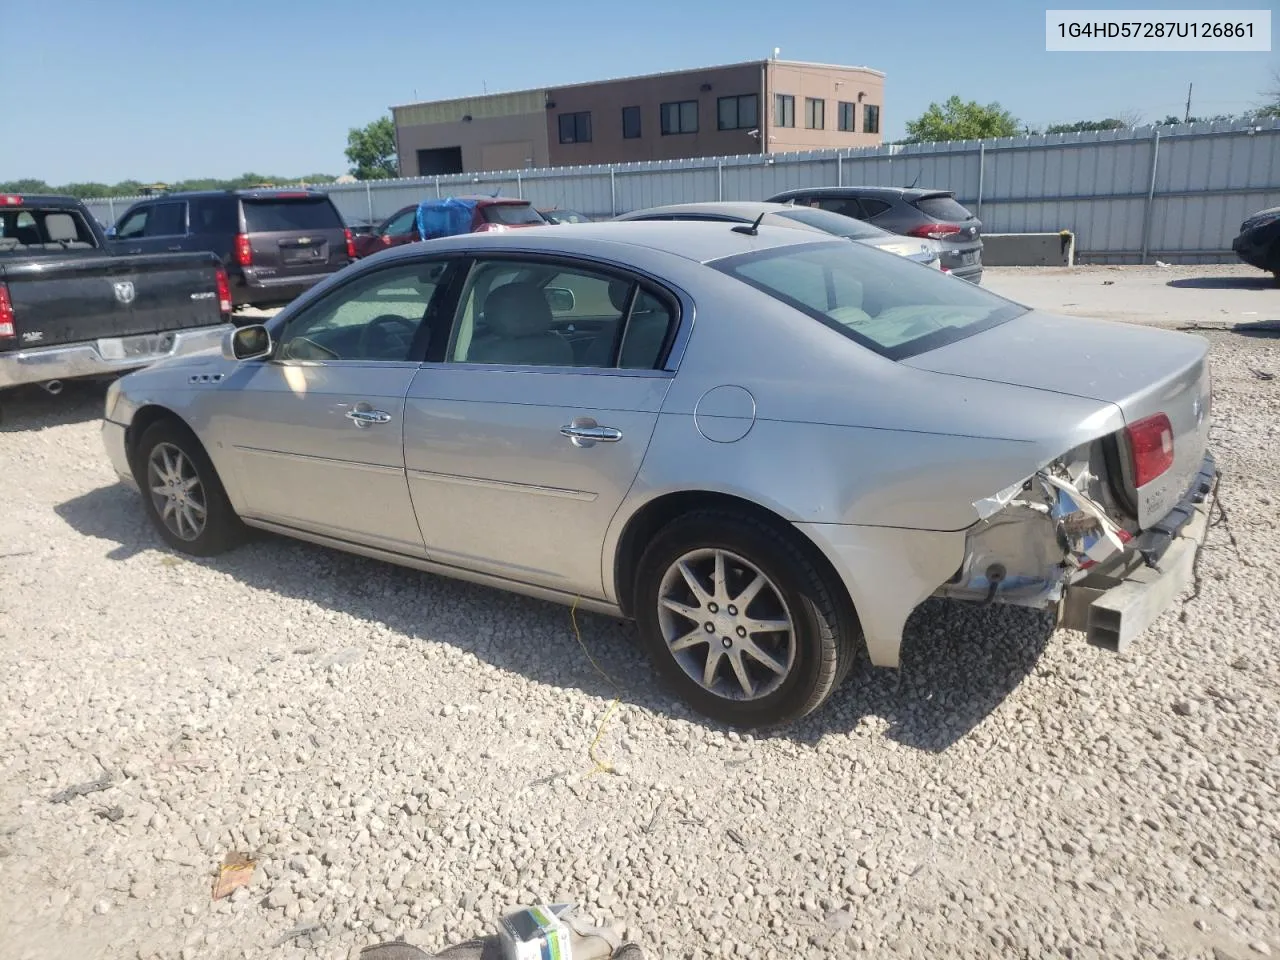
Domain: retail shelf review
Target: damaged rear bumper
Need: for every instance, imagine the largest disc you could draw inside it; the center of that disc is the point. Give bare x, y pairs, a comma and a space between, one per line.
1115, 603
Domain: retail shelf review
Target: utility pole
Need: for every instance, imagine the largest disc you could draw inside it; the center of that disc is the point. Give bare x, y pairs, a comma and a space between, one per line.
1187, 116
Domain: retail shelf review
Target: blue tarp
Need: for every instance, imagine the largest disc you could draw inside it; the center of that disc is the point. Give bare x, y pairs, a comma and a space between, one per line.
445, 217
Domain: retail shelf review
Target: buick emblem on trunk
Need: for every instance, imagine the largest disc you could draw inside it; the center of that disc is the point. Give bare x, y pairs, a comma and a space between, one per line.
124, 291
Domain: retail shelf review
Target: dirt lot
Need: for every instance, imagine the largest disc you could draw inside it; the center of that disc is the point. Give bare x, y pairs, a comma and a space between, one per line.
406, 754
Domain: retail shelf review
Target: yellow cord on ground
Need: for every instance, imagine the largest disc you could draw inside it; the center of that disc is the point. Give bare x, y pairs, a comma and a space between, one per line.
600, 766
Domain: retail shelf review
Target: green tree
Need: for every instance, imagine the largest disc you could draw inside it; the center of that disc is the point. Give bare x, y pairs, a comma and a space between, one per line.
1084, 126
962, 120
25, 185
371, 150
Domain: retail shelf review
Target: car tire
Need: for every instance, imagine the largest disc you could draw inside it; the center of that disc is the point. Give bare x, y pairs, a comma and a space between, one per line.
761, 677
192, 512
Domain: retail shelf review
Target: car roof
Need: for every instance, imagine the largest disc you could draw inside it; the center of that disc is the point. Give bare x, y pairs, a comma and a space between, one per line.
699, 242
288, 193
886, 193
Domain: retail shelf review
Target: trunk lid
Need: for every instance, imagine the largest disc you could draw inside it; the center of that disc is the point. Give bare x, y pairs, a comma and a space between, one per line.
1142, 370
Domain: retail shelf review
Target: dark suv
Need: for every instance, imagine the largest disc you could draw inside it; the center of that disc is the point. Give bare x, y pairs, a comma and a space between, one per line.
274, 243
928, 214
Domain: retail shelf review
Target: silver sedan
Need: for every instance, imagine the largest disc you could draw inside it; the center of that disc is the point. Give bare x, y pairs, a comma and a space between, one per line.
764, 445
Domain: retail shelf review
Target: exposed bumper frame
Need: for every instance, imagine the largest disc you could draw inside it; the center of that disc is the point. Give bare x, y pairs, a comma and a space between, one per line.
1113, 606
73, 360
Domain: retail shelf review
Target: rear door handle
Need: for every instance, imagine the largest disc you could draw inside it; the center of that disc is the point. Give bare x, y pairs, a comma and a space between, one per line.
176, 248
364, 418
585, 432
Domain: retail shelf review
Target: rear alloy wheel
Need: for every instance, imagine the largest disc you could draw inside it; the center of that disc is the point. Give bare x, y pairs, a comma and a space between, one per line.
184, 497
741, 620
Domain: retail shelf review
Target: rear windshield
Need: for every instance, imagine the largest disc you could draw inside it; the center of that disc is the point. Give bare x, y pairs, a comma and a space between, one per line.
278, 215
835, 223
885, 302
943, 208
511, 213
32, 230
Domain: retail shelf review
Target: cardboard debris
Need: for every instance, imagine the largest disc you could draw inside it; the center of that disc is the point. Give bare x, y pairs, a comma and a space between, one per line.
236, 872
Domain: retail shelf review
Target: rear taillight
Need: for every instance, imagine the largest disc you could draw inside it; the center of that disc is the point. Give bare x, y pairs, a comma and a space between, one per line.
224, 291
10, 200
244, 252
934, 231
7, 331
351, 244
1151, 447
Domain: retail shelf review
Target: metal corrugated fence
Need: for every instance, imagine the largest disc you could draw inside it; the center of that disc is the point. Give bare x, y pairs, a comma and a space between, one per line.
1173, 193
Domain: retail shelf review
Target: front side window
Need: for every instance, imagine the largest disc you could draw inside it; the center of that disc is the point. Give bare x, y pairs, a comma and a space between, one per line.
736, 113
784, 110
870, 118
880, 300
680, 117
532, 313
134, 225
575, 127
630, 123
376, 317
814, 113
846, 118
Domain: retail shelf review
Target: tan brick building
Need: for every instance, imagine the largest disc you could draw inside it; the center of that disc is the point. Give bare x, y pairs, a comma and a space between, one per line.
713, 111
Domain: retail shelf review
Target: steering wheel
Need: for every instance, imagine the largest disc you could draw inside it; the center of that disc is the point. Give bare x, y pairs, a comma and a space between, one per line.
397, 339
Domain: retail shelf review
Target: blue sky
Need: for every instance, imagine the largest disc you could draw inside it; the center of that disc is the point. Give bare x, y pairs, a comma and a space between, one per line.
169, 89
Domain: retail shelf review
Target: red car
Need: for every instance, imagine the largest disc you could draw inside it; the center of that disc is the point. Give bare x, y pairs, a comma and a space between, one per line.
491, 213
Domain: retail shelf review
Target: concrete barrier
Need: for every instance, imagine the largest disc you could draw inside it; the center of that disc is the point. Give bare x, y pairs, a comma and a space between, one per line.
1029, 249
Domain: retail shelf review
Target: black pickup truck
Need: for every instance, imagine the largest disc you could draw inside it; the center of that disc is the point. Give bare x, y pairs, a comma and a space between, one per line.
72, 307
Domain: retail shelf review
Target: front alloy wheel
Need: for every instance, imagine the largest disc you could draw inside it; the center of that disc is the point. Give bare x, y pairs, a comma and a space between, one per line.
176, 492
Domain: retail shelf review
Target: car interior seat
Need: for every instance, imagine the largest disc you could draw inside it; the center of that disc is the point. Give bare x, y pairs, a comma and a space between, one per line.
519, 321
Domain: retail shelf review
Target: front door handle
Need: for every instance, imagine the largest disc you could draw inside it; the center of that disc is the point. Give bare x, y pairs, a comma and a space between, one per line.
585, 432
176, 247
364, 418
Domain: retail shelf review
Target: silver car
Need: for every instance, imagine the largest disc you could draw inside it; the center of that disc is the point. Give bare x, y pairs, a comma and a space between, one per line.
928, 252
765, 446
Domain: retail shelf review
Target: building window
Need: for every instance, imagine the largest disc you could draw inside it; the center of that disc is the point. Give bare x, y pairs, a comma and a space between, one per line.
630, 123
814, 113
784, 110
736, 113
575, 127
870, 118
680, 117
847, 122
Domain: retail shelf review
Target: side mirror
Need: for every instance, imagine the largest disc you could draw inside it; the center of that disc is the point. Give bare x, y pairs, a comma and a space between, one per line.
247, 343
560, 299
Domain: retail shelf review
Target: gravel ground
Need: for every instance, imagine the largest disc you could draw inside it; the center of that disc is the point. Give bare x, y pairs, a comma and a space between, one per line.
407, 754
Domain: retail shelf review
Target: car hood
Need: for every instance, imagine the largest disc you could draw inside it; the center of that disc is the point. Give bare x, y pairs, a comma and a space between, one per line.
1079, 357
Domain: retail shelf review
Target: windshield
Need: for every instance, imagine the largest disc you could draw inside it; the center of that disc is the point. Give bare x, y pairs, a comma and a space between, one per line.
277, 216
885, 302
836, 223
512, 214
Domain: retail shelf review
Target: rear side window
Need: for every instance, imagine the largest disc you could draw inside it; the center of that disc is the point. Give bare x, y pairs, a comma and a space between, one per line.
942, 208
845, 206
872, 208
512, 214
51, 230
278, 215
214, 215
167, 220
